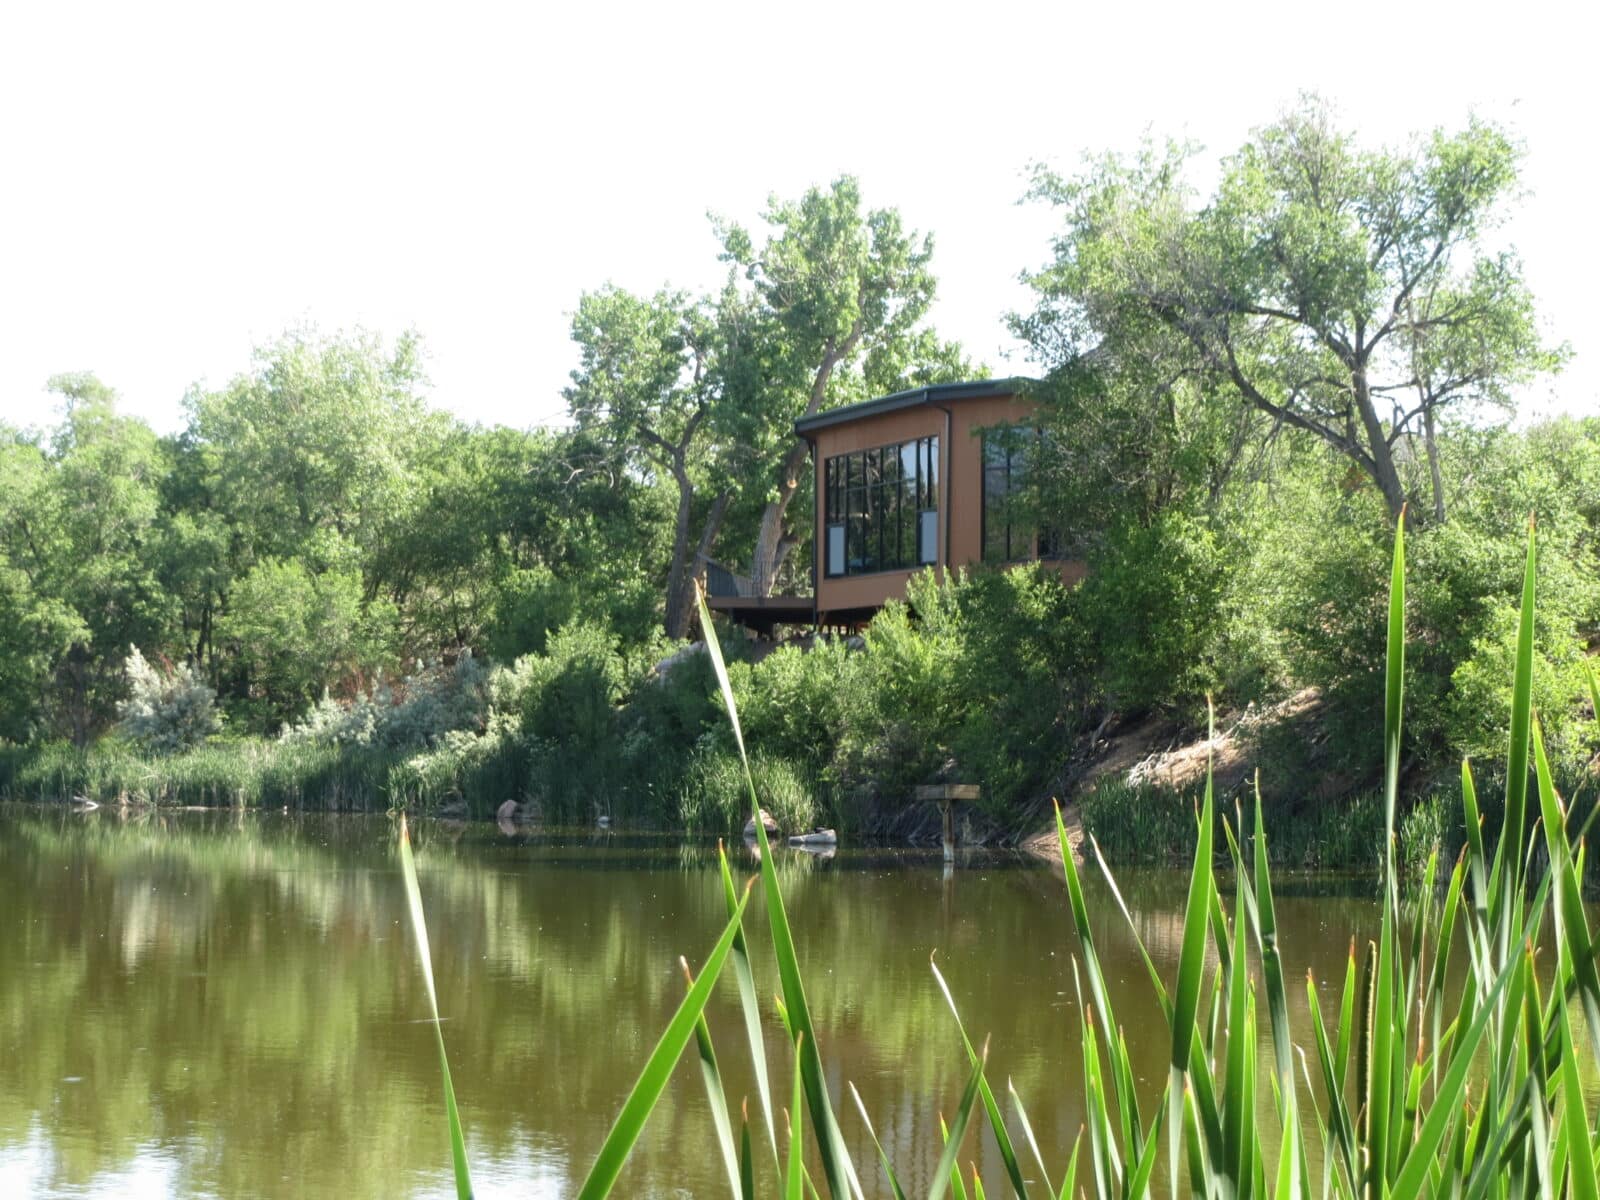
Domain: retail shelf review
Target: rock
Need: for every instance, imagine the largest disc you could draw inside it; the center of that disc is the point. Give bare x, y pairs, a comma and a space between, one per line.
604, 822
766, 820
691, 651
506, 814
817, 837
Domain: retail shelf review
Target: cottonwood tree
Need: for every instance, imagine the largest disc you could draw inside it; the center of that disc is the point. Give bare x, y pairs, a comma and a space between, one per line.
652, 379
312, 451
1344, 292
841, 293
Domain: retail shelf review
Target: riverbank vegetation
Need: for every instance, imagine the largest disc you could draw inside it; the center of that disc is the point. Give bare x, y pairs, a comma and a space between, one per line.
1421, 1079
321, 592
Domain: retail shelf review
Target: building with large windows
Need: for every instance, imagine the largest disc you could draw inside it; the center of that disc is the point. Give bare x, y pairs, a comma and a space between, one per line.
923, 478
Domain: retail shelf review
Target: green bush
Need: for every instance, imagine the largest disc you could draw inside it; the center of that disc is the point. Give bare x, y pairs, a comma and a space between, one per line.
1152, 603
799, 702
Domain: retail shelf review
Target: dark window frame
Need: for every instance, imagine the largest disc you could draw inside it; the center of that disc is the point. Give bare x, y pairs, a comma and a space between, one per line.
880, 508
1004, 459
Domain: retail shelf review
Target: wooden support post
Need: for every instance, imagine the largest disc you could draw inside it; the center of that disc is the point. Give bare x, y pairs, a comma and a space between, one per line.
947, 794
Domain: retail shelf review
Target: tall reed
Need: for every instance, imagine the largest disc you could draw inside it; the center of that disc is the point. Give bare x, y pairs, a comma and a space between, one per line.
1428, 1092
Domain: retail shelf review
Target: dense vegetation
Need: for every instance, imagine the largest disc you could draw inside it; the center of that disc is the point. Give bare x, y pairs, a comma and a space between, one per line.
1424, 1080
320, 591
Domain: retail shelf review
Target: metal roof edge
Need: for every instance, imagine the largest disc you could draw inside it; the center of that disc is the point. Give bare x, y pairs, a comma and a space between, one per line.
911, 398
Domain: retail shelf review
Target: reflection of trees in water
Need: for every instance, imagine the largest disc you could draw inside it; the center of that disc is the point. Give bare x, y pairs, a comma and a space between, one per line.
241, 988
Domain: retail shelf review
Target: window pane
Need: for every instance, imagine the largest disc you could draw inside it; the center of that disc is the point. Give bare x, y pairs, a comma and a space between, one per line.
855, 546
835, 550
995, 548
908, 462
906, 525
931, 495
928, 537
889, 517
1050, 545
891, 464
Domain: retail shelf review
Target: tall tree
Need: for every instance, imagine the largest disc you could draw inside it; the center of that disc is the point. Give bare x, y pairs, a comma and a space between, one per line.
651, 378
842, 293
314, 446
78, 518
1341, 291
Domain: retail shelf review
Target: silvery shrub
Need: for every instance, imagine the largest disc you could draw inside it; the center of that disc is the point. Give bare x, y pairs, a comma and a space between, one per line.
166, 711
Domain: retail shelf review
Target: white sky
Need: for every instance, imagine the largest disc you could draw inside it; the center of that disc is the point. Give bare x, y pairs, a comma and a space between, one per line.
180, 183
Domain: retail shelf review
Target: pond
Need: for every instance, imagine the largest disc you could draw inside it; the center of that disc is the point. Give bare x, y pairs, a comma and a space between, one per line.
228, 1003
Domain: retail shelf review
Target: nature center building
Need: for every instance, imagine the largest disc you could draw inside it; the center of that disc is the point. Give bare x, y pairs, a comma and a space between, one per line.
905, 482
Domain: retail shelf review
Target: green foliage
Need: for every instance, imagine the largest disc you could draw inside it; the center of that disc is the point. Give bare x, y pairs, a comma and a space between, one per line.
35, 634
980, 680
1153, 600
1321, 561
292, 628
319, 438
571, 717
1320, 283
798, 702
574, 690
714, 797
77, 515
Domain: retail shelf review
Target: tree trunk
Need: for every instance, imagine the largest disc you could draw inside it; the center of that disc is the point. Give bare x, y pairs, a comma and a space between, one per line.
1381, 468
770, 551
676, 619
772, 541
680, 594
1435, 474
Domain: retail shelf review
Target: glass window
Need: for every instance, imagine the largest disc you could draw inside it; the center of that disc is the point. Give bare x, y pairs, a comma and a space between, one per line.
878, 508
1008, 532
928, 537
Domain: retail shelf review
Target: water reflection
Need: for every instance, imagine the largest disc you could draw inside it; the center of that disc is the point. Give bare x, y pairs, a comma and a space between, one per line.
208, 1004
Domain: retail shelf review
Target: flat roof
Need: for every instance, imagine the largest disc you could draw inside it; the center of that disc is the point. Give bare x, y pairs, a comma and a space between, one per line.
910, 398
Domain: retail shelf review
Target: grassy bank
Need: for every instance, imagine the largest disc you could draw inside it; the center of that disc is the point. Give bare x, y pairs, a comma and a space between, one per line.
271, 774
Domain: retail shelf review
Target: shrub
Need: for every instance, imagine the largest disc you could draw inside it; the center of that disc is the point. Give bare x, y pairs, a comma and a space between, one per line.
294, 627
1152, 603
798, 702
166, 711
435, 700
571, 719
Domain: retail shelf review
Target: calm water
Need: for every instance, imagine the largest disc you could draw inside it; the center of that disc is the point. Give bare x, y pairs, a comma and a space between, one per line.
211, 1004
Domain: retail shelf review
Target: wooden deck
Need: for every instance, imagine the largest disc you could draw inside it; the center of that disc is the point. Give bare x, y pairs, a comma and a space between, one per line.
764, 613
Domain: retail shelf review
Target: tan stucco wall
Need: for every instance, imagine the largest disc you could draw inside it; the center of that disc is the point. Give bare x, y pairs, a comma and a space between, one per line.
961, 492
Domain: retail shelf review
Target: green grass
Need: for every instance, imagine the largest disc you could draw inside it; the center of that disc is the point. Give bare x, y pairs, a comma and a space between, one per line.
1396, 1116
254, 772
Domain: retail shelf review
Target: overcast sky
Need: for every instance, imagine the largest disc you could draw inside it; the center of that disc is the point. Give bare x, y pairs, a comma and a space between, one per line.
181, 183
